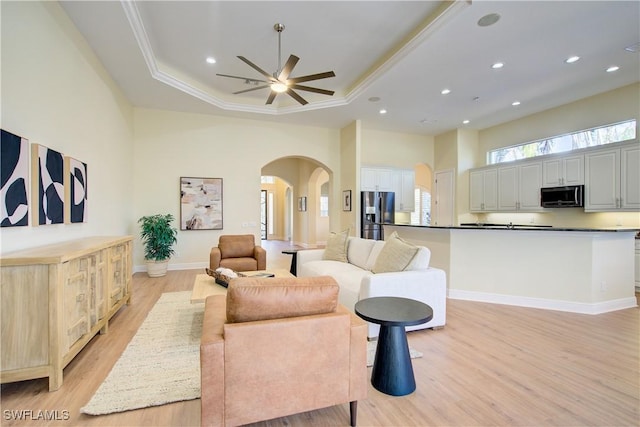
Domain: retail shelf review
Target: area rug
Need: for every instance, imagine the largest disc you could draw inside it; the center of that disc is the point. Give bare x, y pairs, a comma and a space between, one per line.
371, 352
160, 365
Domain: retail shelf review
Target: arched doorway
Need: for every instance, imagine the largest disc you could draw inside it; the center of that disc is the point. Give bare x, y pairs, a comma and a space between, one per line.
295, 178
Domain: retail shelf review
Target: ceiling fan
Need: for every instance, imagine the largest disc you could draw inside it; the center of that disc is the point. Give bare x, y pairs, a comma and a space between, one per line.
280, 82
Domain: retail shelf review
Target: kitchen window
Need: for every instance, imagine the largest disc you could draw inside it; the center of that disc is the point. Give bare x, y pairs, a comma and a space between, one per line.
616, 132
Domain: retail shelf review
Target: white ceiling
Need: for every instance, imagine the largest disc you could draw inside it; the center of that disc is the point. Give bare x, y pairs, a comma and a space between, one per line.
404, 53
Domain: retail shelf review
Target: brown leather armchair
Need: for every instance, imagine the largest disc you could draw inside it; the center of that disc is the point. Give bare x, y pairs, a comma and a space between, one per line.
273, 347
239, 253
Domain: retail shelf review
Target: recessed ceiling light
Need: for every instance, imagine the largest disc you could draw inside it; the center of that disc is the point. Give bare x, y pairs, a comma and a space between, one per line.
383, 111
612, 69
465, 122
374, 99
572, 59
634, 48
497, 65
515, 103
488, 20
446, 91
211, 60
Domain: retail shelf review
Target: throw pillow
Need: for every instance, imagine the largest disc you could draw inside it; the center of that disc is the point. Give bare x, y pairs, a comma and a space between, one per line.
396, 254
336, 249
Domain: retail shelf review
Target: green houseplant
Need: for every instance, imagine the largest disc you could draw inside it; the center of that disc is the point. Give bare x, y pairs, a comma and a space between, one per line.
158, 238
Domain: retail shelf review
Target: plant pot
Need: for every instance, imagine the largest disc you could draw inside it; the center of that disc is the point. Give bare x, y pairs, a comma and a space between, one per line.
157, 268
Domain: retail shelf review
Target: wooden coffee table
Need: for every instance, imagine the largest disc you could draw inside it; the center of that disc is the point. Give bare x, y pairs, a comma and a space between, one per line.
206, 285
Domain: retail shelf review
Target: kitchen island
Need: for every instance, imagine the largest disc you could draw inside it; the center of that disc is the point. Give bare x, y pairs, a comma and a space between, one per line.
579, 270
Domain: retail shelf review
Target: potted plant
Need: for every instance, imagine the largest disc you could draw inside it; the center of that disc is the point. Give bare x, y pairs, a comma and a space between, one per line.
158, 238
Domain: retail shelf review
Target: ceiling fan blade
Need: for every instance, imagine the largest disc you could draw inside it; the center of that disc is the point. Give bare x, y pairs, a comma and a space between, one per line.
271, 97
242, 78
312, 77
255, 67
249, 90
297, 97
288, 67
313, 89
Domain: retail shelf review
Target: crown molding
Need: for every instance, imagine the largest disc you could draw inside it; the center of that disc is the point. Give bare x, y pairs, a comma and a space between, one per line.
406, 46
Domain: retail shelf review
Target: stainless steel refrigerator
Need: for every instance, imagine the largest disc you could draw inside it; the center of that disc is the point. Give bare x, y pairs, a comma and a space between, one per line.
378, 208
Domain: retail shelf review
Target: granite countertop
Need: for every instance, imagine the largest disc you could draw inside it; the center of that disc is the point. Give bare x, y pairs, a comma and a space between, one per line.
522, 227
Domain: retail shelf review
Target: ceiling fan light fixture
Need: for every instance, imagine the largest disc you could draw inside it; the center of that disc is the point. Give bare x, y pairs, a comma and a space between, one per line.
279, 87
281, 81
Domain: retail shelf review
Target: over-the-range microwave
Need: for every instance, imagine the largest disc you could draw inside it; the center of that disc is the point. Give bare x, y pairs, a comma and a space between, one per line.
568, 196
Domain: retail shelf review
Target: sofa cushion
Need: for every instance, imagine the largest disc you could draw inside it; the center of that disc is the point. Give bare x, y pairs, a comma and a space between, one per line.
395, 255
236, 246
336, 248
250, 299
326, 268
358, 251
421, 260
373, 256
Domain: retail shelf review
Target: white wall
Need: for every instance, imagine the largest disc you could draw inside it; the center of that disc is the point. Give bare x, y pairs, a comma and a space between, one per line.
169, 145
56, 93
400, 150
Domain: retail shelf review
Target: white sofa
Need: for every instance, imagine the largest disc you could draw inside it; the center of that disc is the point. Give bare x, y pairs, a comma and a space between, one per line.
418, 281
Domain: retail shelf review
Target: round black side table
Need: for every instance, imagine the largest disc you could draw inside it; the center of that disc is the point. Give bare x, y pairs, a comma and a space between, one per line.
392, 369
294, 260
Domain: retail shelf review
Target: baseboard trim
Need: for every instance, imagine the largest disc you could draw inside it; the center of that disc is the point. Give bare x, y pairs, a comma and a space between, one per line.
545, 304
185, 266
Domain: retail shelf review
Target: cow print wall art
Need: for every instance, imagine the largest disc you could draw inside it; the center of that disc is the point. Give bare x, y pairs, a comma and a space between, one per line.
14, 171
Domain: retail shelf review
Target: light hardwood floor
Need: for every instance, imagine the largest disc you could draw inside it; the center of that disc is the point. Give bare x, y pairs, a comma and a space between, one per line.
491, 365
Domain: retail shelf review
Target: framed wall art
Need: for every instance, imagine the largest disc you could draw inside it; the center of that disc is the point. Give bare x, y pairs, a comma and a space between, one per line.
75, 191
302, 204
47, 185
346, 200
14, 152
200, 203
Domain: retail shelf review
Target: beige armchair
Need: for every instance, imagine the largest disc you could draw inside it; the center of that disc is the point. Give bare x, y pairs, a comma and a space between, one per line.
239, 253
273, 347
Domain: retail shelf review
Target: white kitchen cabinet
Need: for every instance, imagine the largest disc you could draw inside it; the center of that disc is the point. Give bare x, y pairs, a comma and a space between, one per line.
564, 170
376, 179
612, 179
519, 187
508, 188
483, 190
529, 183
404, 181
630, 177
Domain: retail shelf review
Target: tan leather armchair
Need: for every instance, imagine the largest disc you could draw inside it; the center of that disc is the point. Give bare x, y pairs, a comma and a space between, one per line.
273, 347
239, 253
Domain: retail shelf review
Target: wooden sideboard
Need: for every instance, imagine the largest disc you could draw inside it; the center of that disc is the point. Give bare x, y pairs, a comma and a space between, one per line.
55, 298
